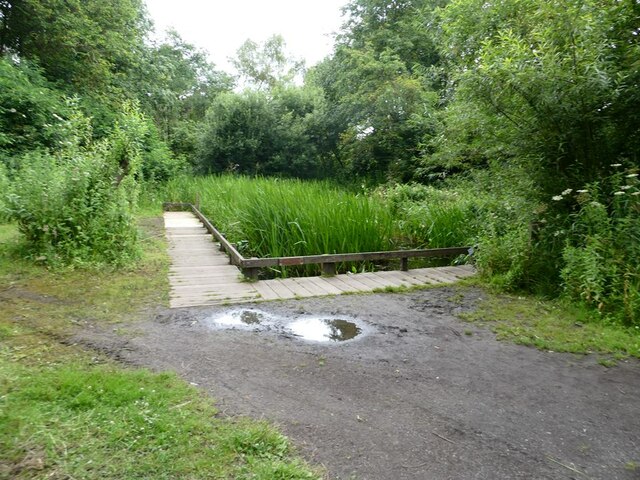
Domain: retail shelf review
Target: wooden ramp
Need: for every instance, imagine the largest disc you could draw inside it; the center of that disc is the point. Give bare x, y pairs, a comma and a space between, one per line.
200, 273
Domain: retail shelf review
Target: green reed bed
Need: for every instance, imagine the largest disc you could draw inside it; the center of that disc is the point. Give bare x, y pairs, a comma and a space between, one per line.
274, 217
268, 217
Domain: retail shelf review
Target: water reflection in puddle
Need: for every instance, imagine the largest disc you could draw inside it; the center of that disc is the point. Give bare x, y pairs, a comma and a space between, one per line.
315, 329
325, 329
242, 319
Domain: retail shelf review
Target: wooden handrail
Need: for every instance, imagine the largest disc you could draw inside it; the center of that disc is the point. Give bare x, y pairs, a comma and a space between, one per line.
251, 266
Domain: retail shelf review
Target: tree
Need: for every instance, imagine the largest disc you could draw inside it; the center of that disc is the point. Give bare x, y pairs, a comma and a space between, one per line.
33, 113
176, 83
266, 66
552, 82
258, 133
378, 85
83, 45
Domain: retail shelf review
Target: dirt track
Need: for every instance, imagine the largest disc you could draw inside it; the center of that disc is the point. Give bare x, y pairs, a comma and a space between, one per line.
421, 395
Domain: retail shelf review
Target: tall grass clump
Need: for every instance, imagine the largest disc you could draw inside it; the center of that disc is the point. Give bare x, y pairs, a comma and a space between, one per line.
275, 217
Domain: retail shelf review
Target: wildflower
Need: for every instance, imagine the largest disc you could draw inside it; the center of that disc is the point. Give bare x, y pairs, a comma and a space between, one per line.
582, 191
618, 193
625, 187
632, 175
557, 198
635, 193
616, 164
567, 191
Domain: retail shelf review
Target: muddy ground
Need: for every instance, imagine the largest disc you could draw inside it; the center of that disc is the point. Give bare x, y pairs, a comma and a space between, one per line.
418, 394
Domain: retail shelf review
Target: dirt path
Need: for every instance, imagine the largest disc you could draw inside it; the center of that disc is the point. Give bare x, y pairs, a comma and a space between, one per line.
419, 395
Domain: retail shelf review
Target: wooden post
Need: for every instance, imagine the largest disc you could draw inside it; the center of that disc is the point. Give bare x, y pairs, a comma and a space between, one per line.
329, 269
251, 273
405, 264
198, 201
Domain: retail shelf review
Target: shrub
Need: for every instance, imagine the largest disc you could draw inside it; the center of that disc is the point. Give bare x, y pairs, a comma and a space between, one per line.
76, 207
70, 212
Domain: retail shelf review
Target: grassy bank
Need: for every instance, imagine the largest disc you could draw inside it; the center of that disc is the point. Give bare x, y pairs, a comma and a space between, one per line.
70, 413
555, 325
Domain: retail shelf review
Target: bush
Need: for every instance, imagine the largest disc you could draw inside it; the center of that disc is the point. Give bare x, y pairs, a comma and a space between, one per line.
70, 212
159, 164
4, 187
32, 111
76, 207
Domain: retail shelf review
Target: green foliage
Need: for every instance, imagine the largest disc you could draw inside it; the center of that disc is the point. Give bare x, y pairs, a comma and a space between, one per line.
4, 187
32, 111
555, 325
428, 217
76, 207
69, 210
85, 46
600, 256
159, 163
176, 83
273, 218
266, 66
103, 421
379, 87
260, 133
549, 83
168, 428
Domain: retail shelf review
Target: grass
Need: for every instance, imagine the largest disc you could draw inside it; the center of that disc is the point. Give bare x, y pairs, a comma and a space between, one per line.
273, 217
70, 413
276, 217
556, 326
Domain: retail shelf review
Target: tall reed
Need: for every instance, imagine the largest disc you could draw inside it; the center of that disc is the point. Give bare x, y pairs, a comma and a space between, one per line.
274, 217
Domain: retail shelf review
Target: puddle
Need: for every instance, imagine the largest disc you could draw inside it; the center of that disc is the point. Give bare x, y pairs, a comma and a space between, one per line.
325, 329
248, 319
314, 329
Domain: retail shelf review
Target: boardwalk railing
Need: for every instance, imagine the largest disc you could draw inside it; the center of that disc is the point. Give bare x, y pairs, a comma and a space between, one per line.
251, 266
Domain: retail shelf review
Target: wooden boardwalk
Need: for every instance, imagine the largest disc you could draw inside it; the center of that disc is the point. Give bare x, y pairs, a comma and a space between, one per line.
200, 273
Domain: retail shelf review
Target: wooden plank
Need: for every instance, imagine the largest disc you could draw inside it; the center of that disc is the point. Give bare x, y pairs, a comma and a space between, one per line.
442, 276
317, 286
389, 279
407, 280
343, 285
355, 257
372, 283
219, 284
296, 287
199, 262
265, 291
352, 279
281, 290
201, 275
458, 272
425, 279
